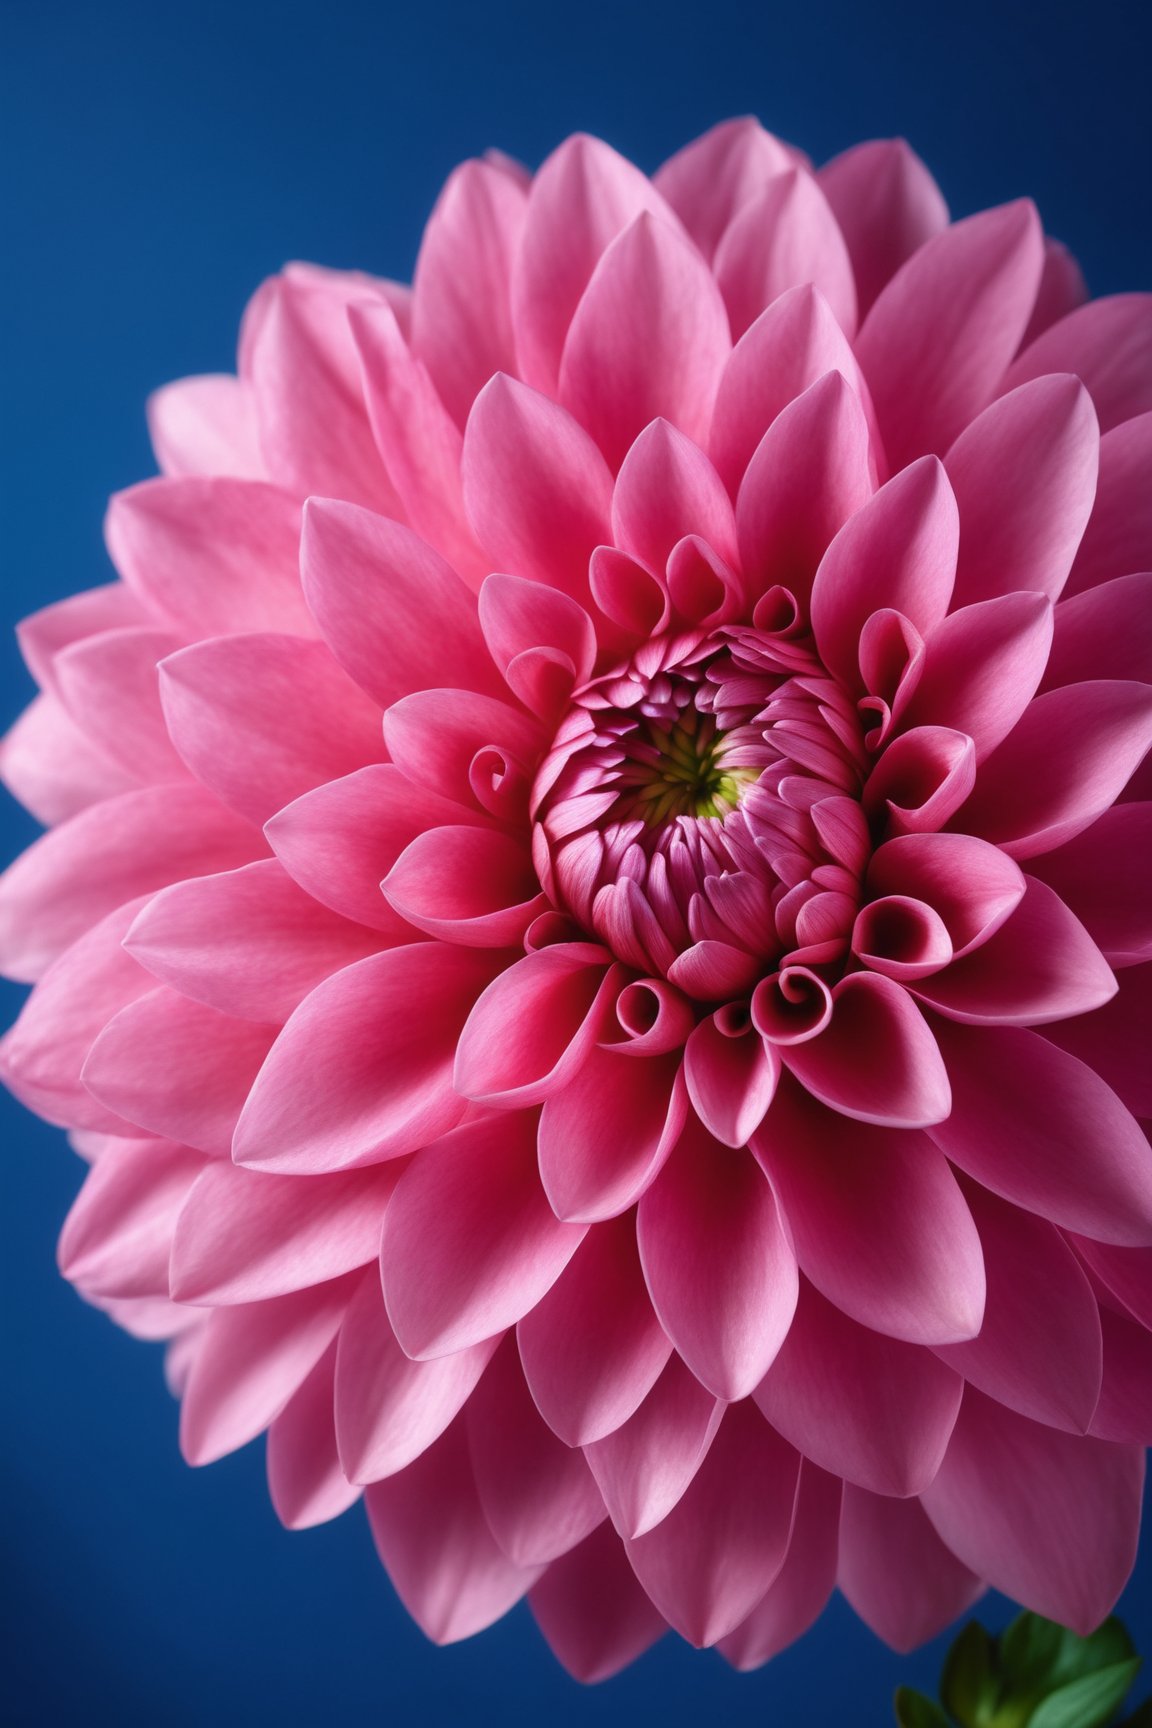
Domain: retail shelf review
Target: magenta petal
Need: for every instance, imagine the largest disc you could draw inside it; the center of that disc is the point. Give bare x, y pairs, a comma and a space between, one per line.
982, 666
593, 1611
868, 1408
1041, 965
533, 1027
242, 1236
879, 1224
518, 616
887, 205
644, 1466
435, 738
897, 1573
537, 489
935, 344
1104, 632
648, 339
249, 1361
461, 311
1125, 1272
372, 586
1125, 1408
390, 1409
709, 1562
592, 1348
805, 1581
261, 719
970, 884
110, 687
1108, 344
877, 1060
1051, 1519
116, 1239
384, 1032
731, 1081
434, 1541
305, 1481
1044, 1131
248, 942
1119, 535
718, 1262
1024, 475
177, 1068
470, 1243
115, 851
475, 886
538, 1495
1113, 1040
606, 1133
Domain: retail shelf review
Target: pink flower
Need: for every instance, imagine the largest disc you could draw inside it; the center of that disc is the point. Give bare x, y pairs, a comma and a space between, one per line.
602, 984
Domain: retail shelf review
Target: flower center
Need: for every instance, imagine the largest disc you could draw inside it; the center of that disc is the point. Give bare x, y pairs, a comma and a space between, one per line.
680, 769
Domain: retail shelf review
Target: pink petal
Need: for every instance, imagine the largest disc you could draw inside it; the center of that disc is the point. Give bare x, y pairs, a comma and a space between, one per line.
534, 1026
649, 338
470, 885
879, 1224
390, 1409
1097, 733
470, 1243
708, 1563
1119, 536
537, 489
538, 1495
214, 556
372, 586
644, 1466
971, 884
877, 1060
434, 1541
896, 1572
53, 768
982, 666
111, 688
592, 1610
718, 1262
731, 1081
606, 1133
887, 205
1113, 1040
711, 179
582, 197
437, 737
871, 1409
116, 851
1024, 475
1126, 1273
935, 344
592, 1348
1062, 289
262, 719
177, 1068
1103, 632
924, 776
243, 1237
1125, 1409
789, 347
812, 471
667, 488
249, 942
1050, 1519
66, 623
116, 1239
338, 841
305, 1481
1038, 1350
383, 1034
461, 313
804, 1583
1043, 1130
518, 617
249, 1362
783, 237
1108, 344
899, 550
205, 425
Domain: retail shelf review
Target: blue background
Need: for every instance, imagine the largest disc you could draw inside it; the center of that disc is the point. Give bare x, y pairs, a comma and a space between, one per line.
158, 161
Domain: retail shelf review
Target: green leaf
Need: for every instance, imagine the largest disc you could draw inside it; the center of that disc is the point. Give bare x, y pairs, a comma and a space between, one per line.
1032, 1651
968, 1685
913, 1710
1088, 1702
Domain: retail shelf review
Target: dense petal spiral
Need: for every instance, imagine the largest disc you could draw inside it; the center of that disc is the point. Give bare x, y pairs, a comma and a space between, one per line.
594, 930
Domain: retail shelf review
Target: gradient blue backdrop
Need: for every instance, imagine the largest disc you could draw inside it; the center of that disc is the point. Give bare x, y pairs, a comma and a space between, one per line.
158, 161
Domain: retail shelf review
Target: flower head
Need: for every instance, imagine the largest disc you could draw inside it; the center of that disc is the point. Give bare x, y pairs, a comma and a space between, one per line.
594, 932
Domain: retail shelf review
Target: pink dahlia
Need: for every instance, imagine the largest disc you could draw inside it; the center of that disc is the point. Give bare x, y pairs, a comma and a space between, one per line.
594, 932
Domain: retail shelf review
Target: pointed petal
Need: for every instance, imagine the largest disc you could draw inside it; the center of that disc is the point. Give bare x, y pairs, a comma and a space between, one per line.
711, 179
593, 1611
205, 425
117, 1237
605, 1135
896, 1572
533, 1027
782, 237
982, 665
887, 205
805, 1581
877, 1060
644, 1466
305, 1481
1108, 344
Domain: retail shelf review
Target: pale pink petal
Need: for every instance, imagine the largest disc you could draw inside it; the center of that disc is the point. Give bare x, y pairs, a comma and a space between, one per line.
879, 1224
111, 687
1050, 1519
784, 236
592, 1348
593, 1611
667, 488
1108, 344
805, 1581
470, 1243
606, 1133
887, 205
47, 633
535, 1024
896, 1572
116, 1239
50, 765
305, 1482
439, 738
871, 1409
383, 1033
644, 1466
711, 179
205, 425
434, 1541
936, 343
520, 618
465, 884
